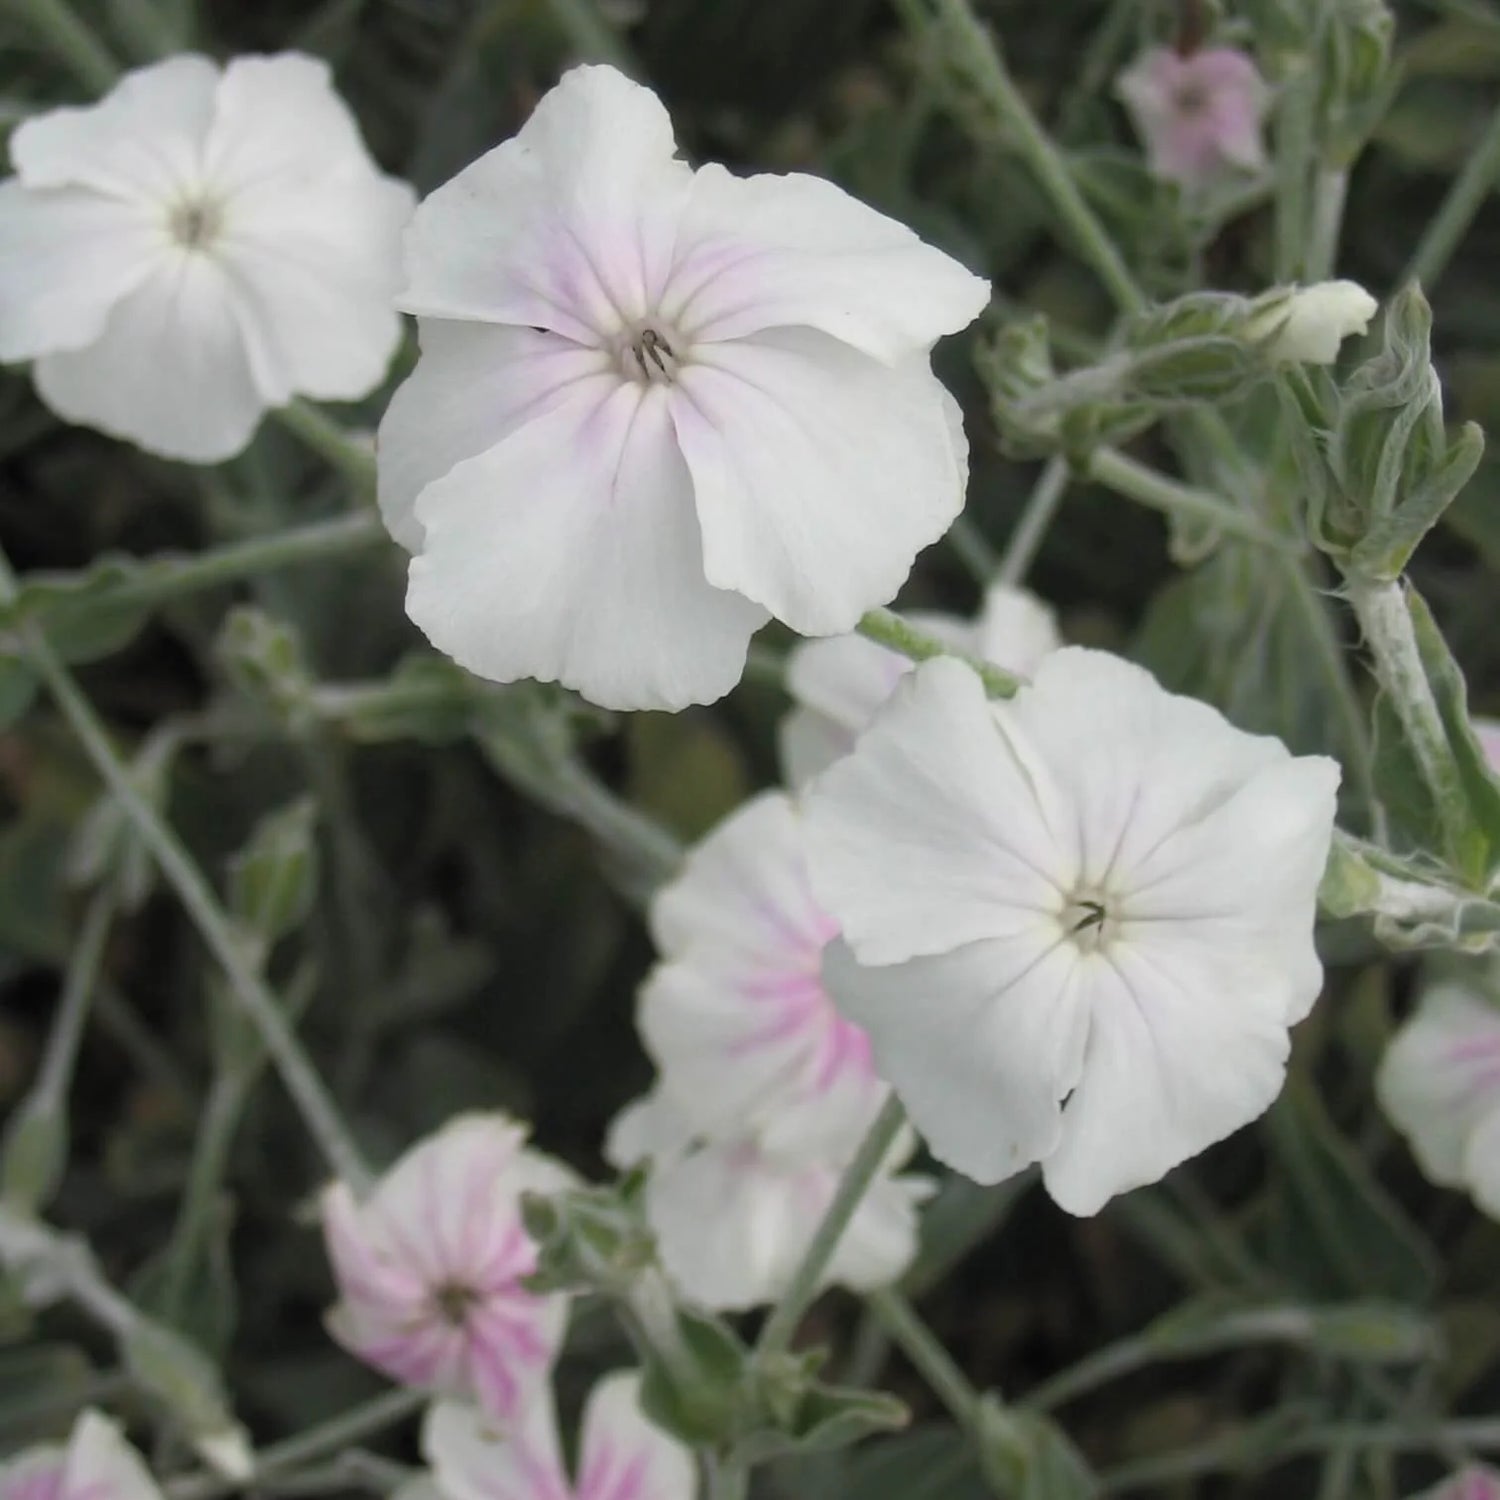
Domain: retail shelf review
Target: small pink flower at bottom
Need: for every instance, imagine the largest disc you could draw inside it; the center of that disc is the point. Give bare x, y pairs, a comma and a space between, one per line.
622, 1456
1196, 115
1440, 1085
1473, 1483
96, 1464
429, 1267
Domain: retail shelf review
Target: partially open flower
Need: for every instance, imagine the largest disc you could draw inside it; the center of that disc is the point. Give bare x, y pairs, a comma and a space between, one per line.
733, 1220
1078, 923
1197, 114
838, 683
196, 248
96, 1464
1440, 1084
735, 1016
622, 1454
429, 1267
656, 406
1308, 324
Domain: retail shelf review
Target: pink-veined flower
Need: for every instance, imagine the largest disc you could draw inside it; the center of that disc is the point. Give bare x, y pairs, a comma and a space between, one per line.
837, 684
429, 1266
1077, 924
656, 406
1440, 1084
1197, 114
622, 1455
95, 1464
196, 248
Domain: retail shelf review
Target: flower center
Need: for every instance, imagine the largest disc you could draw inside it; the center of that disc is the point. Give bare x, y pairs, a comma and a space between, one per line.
195, 223
1086, 920
454, 1300
651, 354
1191, 99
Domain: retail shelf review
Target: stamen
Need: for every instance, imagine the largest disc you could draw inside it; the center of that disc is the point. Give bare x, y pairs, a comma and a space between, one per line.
194, 223
648, 354
454, 1300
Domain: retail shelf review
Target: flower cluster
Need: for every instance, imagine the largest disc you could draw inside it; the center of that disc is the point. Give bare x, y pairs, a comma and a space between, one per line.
197, 248
765, 1091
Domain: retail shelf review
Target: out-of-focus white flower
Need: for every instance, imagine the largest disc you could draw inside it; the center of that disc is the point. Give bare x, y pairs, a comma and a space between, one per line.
1196, 114
1473, 1483
838, 683
735, 1016
655, 406
733, 1220
1082, 918
1313, 321
429, 1267
1440, 1085
622, 1454
96, 1464
196, 248
1487, 731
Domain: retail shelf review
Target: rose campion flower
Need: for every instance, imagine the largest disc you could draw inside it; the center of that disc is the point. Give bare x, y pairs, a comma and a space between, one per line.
1440, 1084
429, 1267
735, 1016
96, 1464
622, 1455
1078, 923
656, 406
838, 683
732, 1220
197, 248
1196, 114
1309, 327
1473, 1483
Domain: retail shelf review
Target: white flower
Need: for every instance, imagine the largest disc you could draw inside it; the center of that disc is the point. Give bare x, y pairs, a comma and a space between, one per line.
733, 1220
655, 406
429, 1267
621, 1456
96, 1464
196, 248
1440, 1084
735, 1016
837, 684
1309, 323
1082, 918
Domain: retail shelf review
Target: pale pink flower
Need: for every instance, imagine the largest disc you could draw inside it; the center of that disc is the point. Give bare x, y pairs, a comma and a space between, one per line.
1440, 1084
1472, 1483
1487, 731
837, 683
429, 1267
735, 1016
622, 1455
1197, 114
96, 1464
732, 1219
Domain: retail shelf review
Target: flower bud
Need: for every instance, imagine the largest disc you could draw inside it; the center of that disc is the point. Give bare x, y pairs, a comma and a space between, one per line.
1308, 324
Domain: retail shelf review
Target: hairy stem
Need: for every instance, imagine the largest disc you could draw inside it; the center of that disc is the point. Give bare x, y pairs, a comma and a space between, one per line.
888, 629
1030, 531
927, 1355
1447, 227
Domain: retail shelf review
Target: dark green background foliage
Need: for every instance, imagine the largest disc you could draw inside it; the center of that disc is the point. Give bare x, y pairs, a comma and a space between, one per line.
468, 948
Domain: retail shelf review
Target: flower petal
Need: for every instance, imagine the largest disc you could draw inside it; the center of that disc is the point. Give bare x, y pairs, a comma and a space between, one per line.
570, 552
1016, 630
475, 1458
473, 386
569, 226
624, 1455
819, 473
1186, 1044
200, 402
143, 140
1482, 1163
764, 252
67, 256
101, 1465
981, 1044
938, 831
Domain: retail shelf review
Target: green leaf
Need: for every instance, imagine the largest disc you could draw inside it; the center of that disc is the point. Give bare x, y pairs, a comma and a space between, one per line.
937, 1463
273, 879
18, 687
697, 1393
1028, 1456
823, 1419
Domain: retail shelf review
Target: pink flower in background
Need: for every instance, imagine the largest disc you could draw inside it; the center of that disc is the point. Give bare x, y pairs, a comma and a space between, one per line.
429, 1267
735, 1016
1487, 731
96, 1464
837, 683
733, 1219
1473, 1483
1440, 1085
1196, 115
622, 1455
